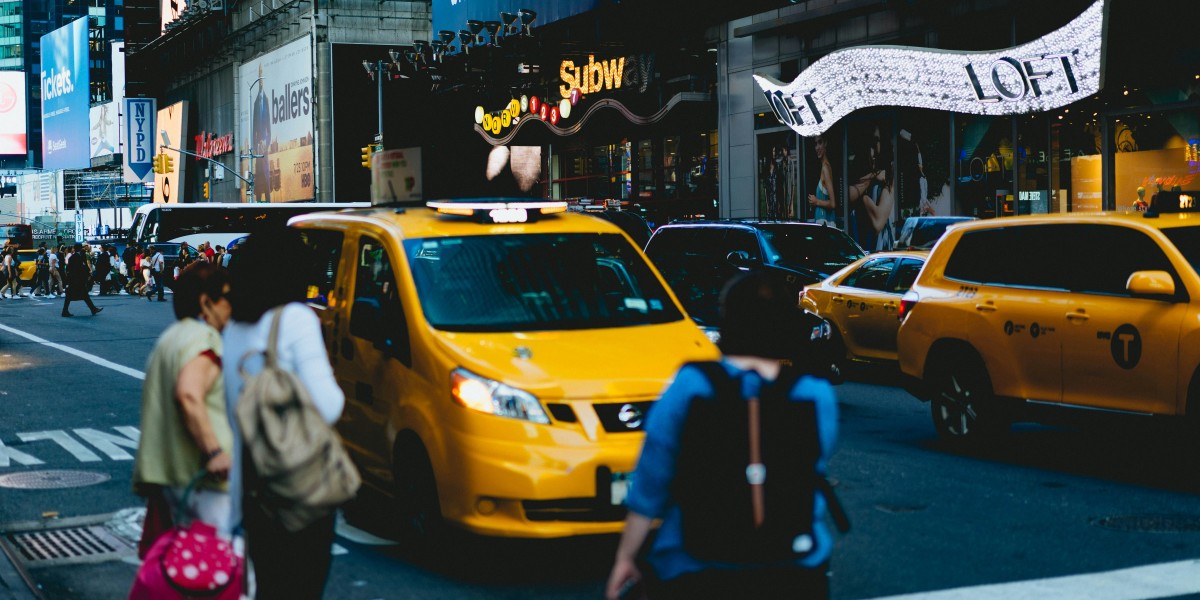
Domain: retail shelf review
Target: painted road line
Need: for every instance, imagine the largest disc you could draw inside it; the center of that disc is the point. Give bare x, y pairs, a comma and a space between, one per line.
1164, 580
80, 353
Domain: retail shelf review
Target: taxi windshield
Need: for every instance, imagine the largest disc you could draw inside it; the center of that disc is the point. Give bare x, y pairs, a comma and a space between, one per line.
536, 282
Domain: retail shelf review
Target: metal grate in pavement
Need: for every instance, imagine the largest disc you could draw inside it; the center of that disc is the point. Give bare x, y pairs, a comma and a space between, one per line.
51, 479
54, 547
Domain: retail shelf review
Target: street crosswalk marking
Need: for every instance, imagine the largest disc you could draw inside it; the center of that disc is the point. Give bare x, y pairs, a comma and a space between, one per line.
112, 446
1164, 580
136, 374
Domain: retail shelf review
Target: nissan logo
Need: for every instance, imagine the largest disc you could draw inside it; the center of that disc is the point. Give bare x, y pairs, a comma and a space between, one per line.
631, 416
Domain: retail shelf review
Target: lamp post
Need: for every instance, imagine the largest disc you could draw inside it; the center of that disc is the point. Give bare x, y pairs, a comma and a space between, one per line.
376, 70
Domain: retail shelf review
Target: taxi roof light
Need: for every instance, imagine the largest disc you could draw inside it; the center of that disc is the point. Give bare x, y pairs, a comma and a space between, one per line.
1174, 201
517, 211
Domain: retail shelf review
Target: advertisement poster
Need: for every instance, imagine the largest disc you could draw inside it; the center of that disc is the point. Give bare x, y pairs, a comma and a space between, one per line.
777, 175
12, 112
871, 184
823, 201
276, 120
396, 176
168, 187
923, 165
104, 136
169, 10
65, 97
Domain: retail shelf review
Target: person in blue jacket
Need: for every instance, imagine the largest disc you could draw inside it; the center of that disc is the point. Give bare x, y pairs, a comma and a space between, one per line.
753, 344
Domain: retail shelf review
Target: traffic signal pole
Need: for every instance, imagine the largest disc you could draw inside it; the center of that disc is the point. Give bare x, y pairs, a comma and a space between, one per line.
249, 182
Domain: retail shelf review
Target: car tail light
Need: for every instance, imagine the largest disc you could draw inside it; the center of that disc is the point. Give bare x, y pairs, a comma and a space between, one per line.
907, 303
800, 299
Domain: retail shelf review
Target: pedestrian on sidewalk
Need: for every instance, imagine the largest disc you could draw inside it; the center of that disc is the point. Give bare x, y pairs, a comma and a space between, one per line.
10, 270
184, 425
156, 265
53, 256
79, 282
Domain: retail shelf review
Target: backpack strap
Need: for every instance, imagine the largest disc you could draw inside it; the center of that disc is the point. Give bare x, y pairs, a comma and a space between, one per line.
836, 510
272, 354
717, 376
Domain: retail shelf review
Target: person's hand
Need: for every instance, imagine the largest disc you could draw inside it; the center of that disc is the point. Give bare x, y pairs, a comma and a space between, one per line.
218, 466
624, 572
812, 199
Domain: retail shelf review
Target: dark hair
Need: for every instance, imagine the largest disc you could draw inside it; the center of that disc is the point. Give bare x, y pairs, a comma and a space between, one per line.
271, 270
194, 280
758, 318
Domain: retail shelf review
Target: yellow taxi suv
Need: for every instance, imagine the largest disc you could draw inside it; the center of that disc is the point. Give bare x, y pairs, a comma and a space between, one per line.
1080, 311
862, 303
498, 358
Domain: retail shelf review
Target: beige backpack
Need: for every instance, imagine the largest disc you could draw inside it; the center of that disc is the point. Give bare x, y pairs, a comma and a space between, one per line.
294, 462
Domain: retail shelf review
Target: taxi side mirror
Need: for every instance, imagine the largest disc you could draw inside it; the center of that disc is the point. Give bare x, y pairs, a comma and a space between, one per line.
1151, 283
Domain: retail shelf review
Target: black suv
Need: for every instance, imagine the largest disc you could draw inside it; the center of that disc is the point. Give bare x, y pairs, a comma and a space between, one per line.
698, 257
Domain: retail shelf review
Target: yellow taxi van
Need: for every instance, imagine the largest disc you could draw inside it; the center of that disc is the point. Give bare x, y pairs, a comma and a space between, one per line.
498, 359
1096, 311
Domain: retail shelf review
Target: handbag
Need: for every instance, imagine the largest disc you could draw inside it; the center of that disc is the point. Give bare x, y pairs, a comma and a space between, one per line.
189, 561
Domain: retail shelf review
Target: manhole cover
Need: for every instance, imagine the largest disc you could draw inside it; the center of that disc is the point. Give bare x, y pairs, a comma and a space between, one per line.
1150, 523
51, 480
71, 545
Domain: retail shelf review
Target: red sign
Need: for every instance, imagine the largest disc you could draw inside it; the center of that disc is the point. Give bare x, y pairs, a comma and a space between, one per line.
209, 145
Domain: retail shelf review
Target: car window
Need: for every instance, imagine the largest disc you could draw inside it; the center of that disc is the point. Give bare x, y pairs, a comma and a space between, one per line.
1033, 256
536, 282
1111, 255
670, 241
872, 275
326, 249
906, 274
740, 240
377, 314
822, 249
1187, 240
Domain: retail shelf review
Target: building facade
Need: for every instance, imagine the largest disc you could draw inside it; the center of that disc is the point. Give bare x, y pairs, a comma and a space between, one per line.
1137, 134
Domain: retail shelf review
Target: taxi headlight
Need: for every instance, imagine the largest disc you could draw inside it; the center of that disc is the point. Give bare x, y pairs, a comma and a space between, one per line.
495, 398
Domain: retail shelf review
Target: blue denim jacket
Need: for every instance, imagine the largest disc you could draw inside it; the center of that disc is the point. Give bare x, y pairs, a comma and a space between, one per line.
650, 493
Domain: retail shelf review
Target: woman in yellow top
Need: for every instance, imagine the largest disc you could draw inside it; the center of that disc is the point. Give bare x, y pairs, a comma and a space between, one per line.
184, 426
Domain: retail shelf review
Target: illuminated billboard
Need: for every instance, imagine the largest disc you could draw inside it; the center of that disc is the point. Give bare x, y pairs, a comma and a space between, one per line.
169, 10
65, 97
172, 120
275, 116
12, 112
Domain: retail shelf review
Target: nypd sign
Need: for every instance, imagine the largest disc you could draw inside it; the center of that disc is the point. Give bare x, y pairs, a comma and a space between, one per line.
140, 115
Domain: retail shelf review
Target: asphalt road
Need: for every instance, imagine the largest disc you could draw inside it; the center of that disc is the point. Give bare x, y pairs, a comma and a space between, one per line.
1044, 503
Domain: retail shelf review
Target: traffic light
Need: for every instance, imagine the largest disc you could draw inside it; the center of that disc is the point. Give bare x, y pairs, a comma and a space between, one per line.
366, 156
206, 190
158, 163
168, 164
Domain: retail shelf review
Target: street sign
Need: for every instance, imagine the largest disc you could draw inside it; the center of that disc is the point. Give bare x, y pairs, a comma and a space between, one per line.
78, 226
140, 117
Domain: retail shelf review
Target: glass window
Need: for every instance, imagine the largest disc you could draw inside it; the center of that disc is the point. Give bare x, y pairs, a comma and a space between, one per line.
536, 282
1076, 168
645, 164
872, 275
326, 253
1113, 254
1034, 256
822, 249
1154, 152
740, 240
377, 314
906, 274
984, 165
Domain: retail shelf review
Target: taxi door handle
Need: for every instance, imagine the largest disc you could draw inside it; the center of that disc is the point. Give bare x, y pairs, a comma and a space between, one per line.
889, 306
986, 307
839, 299
1077, 316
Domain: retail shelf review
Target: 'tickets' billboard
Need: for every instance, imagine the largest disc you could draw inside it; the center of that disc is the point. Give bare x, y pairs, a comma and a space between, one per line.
65, 98
276, 116
168, 187
12, 112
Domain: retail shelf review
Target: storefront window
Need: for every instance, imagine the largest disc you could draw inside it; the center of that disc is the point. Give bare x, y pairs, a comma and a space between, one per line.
984, 166
645, 170
778, 168
670, 165
1076, 168
1032, 171
871, 182
1154, 152
923, 164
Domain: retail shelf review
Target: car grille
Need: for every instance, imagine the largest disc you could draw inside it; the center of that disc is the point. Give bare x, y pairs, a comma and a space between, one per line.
623, 417
576, 510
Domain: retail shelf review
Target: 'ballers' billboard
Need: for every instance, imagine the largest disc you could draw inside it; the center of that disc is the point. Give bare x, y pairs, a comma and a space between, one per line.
276, 117
65, 97
12, 112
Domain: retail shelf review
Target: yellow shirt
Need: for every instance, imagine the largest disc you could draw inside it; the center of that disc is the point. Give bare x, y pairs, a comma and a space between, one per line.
167, 454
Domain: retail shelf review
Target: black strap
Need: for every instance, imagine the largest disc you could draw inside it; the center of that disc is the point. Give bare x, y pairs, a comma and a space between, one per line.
836, 510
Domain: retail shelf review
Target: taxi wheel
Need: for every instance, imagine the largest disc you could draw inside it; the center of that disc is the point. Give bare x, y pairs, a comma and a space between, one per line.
962, 399
419, 512
837, 356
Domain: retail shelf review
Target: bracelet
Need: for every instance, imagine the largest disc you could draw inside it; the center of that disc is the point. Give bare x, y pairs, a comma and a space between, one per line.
211, 455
